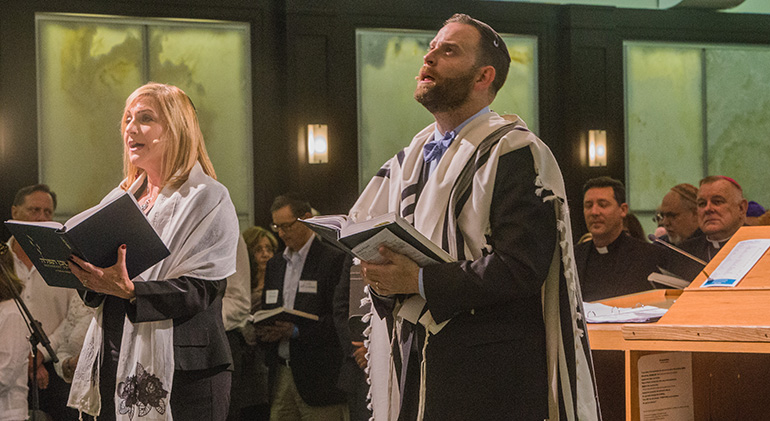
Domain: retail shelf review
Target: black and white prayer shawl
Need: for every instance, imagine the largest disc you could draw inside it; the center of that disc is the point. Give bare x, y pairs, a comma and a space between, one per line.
198, 224
457, 198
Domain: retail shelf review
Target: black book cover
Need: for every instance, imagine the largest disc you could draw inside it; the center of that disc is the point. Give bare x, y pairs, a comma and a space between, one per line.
94, 236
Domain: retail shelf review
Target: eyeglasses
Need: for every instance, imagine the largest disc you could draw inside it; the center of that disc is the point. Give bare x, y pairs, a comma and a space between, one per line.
285, 226
661, 215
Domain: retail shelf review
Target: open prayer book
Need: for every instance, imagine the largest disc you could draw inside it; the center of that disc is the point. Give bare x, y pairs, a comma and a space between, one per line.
94, 235
283, 314
363, 239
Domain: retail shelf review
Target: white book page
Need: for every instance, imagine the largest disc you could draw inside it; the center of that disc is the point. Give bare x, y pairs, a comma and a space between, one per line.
338, 222
738, 263
369, 249
49, 224
368, 224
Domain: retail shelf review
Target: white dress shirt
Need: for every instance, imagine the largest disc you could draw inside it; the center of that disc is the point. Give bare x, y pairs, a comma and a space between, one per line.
47, 304
72, 332
295, 261
14, 350
237, 300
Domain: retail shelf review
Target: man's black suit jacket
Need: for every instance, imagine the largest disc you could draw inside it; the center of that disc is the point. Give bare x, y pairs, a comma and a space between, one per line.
315, 354
623, 270
489, 361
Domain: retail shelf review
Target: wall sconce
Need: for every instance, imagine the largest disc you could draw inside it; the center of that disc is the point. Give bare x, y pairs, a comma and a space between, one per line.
317, 143
597, 148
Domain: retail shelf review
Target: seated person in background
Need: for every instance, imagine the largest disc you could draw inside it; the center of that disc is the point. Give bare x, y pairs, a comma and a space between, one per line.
754, 211
250, 385
764, 219
612, 263
14, 347
678, 213
49, 305
633, 227
235, 311
73, 333
721, 211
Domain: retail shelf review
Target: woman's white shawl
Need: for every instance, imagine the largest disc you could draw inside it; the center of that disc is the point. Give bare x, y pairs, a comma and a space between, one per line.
198, 224
387, 192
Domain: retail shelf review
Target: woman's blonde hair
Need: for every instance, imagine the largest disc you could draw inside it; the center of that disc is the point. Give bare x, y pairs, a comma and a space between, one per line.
252, 236
182, 137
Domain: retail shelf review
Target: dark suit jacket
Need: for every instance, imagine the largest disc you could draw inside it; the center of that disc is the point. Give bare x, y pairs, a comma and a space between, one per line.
702, 248
315, 354
195, 306
623, 270
352, 378
489, 361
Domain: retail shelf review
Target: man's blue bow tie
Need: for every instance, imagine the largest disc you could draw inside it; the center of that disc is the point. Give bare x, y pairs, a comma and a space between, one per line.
435, 149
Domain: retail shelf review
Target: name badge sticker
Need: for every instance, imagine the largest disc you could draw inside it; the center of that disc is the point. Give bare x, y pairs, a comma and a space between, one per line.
308, 287
271, 296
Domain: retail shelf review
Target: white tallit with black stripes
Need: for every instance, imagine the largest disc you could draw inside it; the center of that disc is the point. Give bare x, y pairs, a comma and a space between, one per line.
453, 211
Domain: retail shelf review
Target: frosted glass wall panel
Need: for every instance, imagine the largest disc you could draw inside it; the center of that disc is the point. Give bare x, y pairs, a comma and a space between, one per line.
85, 73
738, 92
388, 115
88, 66
706, 112
664, 121
212, 65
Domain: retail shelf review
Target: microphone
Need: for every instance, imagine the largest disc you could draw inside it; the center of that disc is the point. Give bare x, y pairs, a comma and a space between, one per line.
655, 239
38, 335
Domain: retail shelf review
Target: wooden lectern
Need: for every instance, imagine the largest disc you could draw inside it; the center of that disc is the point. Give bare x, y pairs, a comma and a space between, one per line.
726, 329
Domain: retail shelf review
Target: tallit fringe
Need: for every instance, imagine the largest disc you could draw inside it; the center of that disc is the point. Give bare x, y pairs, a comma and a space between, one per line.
423, 372
586, 406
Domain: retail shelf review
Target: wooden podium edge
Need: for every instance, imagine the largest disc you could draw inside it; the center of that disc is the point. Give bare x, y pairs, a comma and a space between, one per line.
679, 332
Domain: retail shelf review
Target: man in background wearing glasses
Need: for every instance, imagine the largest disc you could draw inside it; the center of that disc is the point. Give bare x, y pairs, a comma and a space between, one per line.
304, 358
678, 214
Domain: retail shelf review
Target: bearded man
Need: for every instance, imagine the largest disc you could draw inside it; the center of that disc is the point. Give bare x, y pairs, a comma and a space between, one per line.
467, 339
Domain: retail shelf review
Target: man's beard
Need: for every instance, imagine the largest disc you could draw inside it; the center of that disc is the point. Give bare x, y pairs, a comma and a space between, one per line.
447, 94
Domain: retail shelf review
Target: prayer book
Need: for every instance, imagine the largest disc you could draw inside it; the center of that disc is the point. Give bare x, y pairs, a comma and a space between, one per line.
363, 239
668, 279
283, 314
93, 235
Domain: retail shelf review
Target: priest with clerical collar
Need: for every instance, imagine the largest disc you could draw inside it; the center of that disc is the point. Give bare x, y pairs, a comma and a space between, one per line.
612, 263
721, 211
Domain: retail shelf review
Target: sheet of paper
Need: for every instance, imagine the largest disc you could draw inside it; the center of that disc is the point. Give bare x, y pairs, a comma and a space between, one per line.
601, 313
665, 387
738, 263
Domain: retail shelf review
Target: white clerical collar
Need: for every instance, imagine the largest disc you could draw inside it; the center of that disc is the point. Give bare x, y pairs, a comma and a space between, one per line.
717, 244
602, 250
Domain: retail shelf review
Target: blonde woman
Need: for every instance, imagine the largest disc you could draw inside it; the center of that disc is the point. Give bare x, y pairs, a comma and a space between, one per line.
249, 392
156, 347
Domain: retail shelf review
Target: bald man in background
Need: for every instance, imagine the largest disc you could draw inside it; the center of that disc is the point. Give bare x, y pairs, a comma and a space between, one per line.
721, 212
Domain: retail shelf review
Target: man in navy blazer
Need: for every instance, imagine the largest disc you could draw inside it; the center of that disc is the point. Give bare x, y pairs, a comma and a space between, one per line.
304, 358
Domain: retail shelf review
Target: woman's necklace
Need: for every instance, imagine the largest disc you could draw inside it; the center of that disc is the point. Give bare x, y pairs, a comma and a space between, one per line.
146, 203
